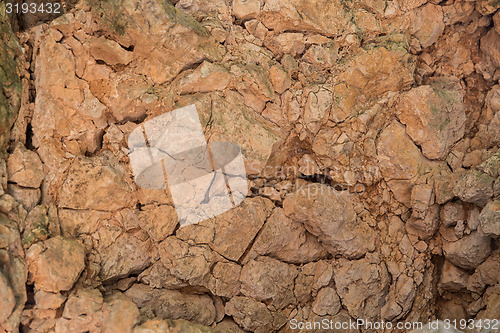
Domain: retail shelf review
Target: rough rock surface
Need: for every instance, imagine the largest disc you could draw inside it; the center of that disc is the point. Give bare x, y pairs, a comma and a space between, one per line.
370, 135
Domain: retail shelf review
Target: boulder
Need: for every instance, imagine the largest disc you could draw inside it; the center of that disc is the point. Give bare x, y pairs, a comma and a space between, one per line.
55, 264
24, 167
489, 219
434, 117
98, 183
329, 215
269, 280
468, 252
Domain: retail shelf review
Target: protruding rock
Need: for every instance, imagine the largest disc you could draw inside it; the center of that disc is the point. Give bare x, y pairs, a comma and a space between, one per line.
469, 251
329, 214
99, 183
490, 219
452, 277
475, 187
25, 168
434, 117
56, 263
327, 302
253, 316
269, 280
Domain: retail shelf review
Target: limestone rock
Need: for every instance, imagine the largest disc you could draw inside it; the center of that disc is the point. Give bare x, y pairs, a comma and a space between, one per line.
327, 302
126, 255
172, 304
230, 233
468, 252
286, 240
99, 183
109, 51
253, 316
269, 280
25, 168
7, 301
398, 156
333, 219
55, 264
246, 9
311, 278
490, 219
428, 24
475, 187
434, 118
452, 277
362, 286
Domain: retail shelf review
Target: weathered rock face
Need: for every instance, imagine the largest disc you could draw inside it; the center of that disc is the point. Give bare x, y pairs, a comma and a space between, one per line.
55, 264
370, 135
434, 117
330, 215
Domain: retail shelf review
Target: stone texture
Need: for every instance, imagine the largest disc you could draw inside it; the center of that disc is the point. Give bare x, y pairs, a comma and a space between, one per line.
334, 219
469, 251
490, 219
25, 168
434, 117
55, 264
98, 183
268, 280
172, 304
362, 286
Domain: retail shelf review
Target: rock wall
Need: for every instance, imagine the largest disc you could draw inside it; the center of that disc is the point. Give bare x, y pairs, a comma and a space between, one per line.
370, 132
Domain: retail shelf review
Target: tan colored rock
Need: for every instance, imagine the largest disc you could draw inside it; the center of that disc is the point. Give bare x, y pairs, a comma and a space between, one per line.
490, 219
225, 281
48, 300
99, 183
398, 156
379, 70
422, 197
7, 300
311, 278
205, 78
362, 286
127, 255
187, 262
327, 302
428, 24
452, 277
25, 168
451, 213
269, 280
172, 304
158, 276
434, 118
158, 221
286, 240
333, 219
253, 316
426, 226
230, 233
246, 9
55, 264
279, 78
327, 17
468, 252
475, 187
491, 53
232, 121
109, 51
486, 7
119, 314
27, 196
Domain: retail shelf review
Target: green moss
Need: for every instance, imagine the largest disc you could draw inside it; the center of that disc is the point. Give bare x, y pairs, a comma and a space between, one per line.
10, 100
111, 12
